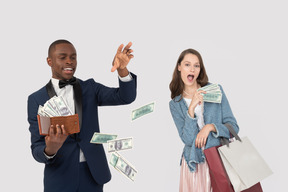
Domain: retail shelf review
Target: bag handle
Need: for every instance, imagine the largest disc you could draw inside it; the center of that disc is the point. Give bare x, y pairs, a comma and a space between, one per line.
225, 141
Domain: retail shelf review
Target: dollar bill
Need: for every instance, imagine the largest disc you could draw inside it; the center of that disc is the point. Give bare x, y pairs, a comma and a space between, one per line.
144, 110
53, 106
100, 138
113, 159
41, 111
214, 98
119, 144
49, 111
62, 107
214, 90
126, 168
210, 87
123, 166
213, 93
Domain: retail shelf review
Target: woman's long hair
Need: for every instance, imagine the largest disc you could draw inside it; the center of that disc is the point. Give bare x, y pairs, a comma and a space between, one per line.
176, 86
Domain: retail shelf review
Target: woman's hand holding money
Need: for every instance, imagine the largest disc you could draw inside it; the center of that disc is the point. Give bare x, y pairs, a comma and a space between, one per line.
197, 99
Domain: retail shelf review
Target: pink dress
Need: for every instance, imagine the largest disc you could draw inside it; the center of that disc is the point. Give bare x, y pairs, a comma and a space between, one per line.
198, 181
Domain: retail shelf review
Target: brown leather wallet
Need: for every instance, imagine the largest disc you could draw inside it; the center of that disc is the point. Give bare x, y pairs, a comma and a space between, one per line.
71, 123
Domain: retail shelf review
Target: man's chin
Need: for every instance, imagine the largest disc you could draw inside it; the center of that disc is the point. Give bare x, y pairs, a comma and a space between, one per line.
67, 77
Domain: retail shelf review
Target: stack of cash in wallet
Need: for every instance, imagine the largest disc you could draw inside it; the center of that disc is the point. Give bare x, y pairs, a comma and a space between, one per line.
114, 145
56, 106
213, 93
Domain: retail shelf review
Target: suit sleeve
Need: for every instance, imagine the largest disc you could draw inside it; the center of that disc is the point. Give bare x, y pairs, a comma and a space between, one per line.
124, 94
227, 117
186, 125
38, 142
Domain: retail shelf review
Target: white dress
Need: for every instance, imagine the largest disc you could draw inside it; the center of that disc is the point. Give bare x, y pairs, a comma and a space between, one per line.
198, 181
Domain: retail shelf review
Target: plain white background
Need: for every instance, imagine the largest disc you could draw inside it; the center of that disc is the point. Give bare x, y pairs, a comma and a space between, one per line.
243, 45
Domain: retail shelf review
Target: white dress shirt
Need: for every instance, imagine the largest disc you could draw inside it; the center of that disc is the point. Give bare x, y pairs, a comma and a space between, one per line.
68, 94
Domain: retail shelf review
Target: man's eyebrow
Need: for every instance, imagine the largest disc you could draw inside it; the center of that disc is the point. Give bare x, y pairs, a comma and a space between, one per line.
66, 54
62, 53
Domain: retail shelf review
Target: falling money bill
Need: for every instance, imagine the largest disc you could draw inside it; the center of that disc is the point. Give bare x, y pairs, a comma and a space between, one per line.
213, 93
99, 138
144, 110
119, 144
122, 165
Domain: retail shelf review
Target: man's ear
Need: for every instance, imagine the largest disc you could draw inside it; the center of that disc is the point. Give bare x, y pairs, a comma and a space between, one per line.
49, 61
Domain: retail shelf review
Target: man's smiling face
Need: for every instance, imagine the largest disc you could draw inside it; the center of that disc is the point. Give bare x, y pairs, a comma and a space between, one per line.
63, 61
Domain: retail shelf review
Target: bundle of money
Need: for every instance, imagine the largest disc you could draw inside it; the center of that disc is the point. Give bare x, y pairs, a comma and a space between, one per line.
99, 138
213, 93
144, 110
122, 165
56, 106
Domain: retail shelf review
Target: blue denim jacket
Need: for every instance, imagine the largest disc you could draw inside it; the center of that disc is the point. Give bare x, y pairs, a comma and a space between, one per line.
214, 113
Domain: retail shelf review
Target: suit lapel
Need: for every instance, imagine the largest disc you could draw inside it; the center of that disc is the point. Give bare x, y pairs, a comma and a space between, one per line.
50, 90
78, 100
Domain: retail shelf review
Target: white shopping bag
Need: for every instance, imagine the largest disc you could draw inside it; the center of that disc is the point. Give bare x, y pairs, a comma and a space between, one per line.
244, 165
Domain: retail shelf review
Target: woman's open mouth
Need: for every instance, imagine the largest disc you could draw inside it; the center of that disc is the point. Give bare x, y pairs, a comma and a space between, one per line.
190, 77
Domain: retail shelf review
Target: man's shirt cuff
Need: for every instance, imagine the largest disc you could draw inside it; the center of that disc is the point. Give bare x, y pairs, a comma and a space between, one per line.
49, 157
126, 78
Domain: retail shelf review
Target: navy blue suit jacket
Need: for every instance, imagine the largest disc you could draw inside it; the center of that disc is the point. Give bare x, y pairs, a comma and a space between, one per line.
61, 172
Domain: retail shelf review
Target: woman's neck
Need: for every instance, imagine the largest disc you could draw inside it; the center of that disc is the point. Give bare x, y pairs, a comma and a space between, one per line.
189, 91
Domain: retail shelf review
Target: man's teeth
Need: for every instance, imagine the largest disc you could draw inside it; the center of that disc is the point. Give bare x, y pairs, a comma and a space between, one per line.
68, 69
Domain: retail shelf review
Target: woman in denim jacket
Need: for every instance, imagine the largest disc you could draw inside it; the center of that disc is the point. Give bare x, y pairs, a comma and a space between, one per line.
200, 124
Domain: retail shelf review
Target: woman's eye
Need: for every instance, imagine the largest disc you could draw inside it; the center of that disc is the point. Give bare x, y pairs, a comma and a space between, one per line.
196, 66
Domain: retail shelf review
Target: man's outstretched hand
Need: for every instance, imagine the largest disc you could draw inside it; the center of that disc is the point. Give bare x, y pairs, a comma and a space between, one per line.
122, 59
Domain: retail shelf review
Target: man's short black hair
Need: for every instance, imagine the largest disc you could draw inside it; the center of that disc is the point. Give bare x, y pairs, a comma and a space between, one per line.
52, 46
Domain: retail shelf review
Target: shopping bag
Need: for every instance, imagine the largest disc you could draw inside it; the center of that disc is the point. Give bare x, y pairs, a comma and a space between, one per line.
254, 188
243, 164
219, 179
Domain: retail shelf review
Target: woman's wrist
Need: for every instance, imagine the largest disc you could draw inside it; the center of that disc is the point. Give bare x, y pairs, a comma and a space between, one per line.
212, 128
191, 112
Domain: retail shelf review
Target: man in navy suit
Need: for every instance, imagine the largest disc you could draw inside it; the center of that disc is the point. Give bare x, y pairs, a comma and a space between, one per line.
72, 163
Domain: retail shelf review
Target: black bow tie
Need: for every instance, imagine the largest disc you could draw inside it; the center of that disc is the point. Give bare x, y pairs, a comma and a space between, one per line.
63, 83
